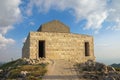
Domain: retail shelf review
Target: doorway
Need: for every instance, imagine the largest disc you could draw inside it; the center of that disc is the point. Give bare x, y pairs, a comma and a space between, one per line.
41, 49
87, 49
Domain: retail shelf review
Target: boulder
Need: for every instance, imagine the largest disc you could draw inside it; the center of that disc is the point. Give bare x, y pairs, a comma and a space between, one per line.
111, 69
24, 73
98, 71
1, 70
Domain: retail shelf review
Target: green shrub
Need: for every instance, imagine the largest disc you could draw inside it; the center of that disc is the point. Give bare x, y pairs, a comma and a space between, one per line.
117, 68
14, 73
6, 65
14, 69
28, 68
32, 78
43, 65
11, 64
39, 72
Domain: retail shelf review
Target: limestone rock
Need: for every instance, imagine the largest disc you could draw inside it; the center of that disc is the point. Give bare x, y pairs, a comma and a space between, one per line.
1, 70
98, 71
24, 73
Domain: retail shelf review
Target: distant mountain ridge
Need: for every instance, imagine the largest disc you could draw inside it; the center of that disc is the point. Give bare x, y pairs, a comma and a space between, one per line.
115, 65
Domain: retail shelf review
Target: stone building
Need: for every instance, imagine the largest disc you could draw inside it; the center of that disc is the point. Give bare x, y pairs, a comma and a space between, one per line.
53, 40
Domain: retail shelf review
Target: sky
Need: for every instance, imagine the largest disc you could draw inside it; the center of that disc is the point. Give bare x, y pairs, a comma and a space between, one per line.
99, 18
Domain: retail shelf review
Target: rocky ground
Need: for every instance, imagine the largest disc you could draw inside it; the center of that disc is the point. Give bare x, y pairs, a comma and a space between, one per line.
97, 71
27, 69
61, 70
23, 69
66, 70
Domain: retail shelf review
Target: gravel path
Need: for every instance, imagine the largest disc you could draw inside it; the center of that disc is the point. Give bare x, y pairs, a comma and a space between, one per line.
61, 70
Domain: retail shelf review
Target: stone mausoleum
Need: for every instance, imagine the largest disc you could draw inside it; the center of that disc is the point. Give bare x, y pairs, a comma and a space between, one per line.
53, 40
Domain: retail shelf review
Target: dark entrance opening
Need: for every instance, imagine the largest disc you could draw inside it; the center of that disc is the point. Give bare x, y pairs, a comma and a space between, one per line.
87, 49
41, 49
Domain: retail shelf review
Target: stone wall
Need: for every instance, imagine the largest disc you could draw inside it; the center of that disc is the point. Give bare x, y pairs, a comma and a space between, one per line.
26, 48
67, 46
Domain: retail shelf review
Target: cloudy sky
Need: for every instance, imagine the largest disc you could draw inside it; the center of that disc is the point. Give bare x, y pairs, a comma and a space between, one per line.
99, 18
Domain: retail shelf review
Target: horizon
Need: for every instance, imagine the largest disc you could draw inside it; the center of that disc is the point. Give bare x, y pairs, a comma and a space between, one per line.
100, 19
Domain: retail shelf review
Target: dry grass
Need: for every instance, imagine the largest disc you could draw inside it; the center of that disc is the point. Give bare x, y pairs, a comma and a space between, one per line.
14, 69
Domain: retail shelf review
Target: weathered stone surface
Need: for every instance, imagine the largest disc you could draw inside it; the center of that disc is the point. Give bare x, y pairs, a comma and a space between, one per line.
59, 45
54, 26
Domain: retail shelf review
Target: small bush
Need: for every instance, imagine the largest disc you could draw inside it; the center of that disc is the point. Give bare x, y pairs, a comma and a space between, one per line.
6, 65
14, 73
117, 68
39, 73
43, 65
14, 68
32, 78
28, 68
11, 64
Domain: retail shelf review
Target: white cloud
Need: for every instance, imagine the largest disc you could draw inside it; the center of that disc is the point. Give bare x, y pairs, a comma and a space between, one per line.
3, 30
31, 23
114, 15
95, 20
116, 26
5, 41
9, 15
114, 10
29, 12
94, 11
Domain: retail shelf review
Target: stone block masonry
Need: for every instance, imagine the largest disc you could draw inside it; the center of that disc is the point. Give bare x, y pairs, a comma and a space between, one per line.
59, 45
54, 26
